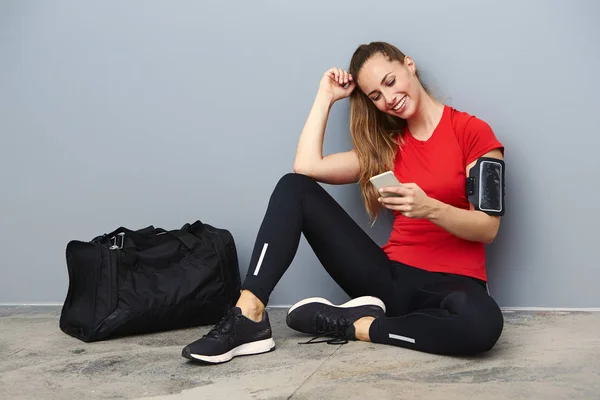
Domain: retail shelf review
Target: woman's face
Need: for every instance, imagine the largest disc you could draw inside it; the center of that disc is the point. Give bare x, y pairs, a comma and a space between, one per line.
393, 87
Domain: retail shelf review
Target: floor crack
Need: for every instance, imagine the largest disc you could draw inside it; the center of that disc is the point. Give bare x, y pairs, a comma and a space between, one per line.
18, 351
314, 372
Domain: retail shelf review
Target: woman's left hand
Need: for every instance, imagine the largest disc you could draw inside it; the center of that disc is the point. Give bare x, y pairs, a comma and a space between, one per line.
410, 200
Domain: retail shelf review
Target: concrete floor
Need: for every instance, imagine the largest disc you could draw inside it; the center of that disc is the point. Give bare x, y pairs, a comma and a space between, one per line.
539, 356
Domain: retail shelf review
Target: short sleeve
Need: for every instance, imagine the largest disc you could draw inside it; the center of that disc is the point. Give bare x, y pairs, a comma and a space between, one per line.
478, 138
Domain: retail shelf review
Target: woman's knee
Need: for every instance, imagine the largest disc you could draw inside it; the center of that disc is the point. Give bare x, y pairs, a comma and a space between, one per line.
294, 184
487, 324
481, 317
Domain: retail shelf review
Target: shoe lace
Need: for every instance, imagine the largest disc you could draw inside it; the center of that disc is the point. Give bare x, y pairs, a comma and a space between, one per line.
223, 326
335, 328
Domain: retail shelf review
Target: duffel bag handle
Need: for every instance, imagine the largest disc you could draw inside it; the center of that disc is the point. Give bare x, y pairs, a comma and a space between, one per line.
187, 239
186, 234
196, 227
191, 242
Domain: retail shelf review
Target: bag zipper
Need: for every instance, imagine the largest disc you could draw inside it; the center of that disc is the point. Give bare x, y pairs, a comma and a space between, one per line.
215, 247
109, 274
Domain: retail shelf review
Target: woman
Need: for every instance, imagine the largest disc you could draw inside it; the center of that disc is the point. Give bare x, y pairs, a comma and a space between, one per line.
425, 289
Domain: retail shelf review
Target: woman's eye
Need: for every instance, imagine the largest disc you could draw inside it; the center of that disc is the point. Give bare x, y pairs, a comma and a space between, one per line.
376, 98
391, 82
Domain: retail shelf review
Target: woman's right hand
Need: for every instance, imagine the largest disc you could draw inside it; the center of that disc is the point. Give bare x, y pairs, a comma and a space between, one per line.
337, 84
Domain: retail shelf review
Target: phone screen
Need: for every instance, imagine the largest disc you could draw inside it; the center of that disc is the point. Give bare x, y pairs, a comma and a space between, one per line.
490, 186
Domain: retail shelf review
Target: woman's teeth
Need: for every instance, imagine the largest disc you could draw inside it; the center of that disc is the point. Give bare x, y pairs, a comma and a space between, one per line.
400, 104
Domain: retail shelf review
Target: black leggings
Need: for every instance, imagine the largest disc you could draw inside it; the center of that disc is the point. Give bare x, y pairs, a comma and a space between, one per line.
427, 311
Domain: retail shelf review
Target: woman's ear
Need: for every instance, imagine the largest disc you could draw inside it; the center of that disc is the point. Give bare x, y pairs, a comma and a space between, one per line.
410, 64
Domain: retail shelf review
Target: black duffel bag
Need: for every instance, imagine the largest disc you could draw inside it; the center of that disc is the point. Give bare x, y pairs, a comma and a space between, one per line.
149, 280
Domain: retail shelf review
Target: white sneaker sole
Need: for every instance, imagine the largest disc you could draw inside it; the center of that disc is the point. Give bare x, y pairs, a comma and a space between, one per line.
261, 346
359, 301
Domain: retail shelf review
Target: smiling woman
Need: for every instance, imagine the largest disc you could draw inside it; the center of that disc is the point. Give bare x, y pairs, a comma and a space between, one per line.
426, 288
391, 91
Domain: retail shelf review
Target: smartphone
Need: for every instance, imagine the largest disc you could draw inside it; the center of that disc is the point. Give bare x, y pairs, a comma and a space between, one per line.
383, 180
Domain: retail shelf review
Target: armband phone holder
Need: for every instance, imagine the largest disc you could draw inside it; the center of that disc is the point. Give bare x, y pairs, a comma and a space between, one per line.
485, 186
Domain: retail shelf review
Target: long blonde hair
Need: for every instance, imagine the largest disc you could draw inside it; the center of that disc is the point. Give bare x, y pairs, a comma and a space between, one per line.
376, 135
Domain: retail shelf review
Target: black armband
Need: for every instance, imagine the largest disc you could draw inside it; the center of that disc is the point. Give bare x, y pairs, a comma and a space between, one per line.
485, 186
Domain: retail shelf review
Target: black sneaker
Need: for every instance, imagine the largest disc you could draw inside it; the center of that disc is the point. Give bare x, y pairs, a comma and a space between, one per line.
318, 316
235, 335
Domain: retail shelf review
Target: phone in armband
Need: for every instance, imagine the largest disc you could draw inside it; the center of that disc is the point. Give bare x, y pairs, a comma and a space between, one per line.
385, 179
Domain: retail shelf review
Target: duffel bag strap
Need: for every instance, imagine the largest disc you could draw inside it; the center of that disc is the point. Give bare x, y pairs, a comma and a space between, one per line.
116, 237
187, 239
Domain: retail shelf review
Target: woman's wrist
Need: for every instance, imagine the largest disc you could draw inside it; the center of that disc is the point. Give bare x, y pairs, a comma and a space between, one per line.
436, 209
324, 98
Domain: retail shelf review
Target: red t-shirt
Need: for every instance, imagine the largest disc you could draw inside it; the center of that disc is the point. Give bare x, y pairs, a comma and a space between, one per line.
438, 166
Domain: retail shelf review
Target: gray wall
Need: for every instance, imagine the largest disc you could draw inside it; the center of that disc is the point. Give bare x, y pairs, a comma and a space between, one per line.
144, 112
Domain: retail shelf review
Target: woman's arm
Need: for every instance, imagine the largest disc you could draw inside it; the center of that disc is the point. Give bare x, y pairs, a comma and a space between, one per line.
338, 168
469, 224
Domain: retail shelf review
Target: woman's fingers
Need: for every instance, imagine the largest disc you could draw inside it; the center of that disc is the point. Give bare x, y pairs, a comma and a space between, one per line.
340, 76
392, 201
350, 87
396, 190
